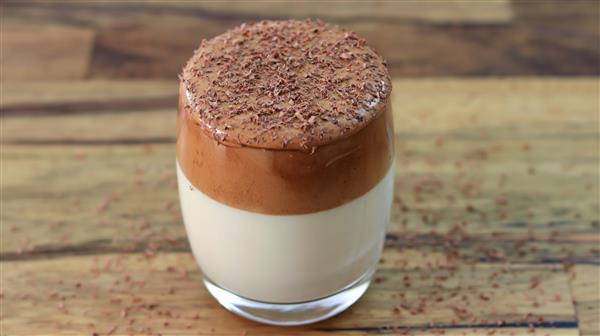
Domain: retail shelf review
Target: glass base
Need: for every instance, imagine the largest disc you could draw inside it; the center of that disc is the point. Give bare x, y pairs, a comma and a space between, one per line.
289, 314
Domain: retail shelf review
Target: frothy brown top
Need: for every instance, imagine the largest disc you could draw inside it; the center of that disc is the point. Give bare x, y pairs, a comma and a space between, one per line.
287, 117
293, 85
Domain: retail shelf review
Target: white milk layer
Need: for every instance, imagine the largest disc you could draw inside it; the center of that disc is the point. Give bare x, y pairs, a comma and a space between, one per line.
286, 258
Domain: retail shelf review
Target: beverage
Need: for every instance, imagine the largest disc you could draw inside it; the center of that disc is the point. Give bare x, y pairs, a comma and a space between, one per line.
285, 167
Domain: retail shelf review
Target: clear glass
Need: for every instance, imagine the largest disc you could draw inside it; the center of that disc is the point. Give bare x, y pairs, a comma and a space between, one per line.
287, 270
295, 267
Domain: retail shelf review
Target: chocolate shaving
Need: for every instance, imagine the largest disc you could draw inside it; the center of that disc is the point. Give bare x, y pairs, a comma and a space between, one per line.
306, 82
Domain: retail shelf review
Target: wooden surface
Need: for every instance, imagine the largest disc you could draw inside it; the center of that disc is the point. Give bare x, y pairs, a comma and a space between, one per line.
152, 39
494, 230
495, 227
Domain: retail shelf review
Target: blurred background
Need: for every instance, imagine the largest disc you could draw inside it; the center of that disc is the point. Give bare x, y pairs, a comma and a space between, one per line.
150, 39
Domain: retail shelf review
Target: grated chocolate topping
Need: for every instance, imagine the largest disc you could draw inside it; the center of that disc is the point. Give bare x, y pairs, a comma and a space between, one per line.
285, 85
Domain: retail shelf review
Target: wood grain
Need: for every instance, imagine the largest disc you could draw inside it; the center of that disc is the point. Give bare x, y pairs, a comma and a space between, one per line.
585, 288
496, 193
451, 11
69, 97
45, 51
70, 185
163, 294
464, 11
456, 140
466, 108
153, 40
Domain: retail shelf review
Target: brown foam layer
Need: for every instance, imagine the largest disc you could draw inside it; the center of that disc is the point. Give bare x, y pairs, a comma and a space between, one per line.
285, 117
284, 181
285, 85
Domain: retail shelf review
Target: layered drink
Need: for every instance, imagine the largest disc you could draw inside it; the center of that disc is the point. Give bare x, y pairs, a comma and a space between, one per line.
285, 167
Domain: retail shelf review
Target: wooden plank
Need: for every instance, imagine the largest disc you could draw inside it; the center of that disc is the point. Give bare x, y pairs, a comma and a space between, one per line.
517, 49
67, 97
492, 184
101, 198
495, 107
163, 294
155, 40
450, 11
105, 193
488, 108
128, 51
105, 126
585, 289
45, 51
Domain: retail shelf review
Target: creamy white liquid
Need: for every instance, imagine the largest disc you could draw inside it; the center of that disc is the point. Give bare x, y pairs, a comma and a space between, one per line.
286, 258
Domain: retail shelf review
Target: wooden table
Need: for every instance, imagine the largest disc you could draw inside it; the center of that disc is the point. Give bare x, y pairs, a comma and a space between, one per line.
495, 222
